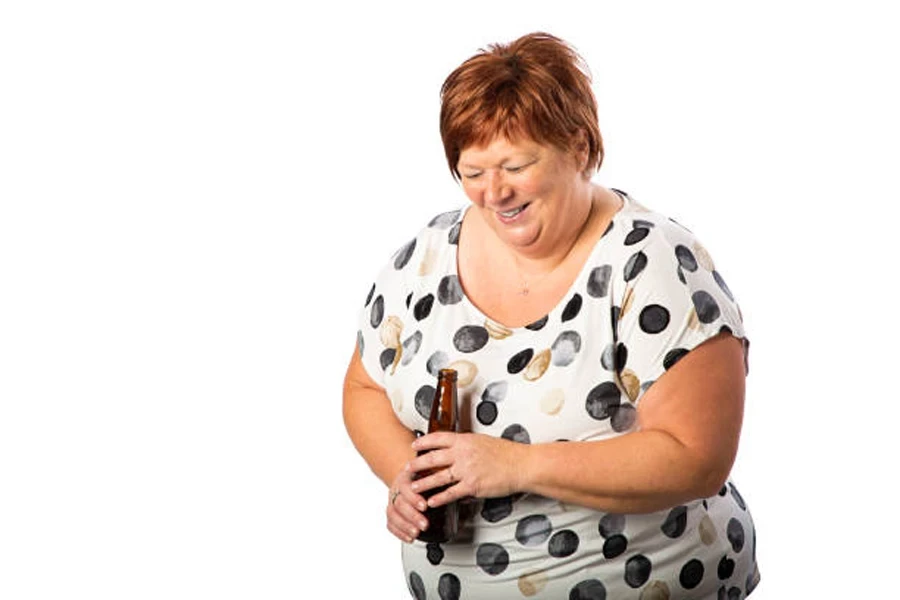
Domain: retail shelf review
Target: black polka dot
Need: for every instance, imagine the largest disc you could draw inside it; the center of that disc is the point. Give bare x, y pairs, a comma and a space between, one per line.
411, 347
449, 587
623, 417
492, 558
614, 316
453, 234
539, 324
371, 293
602, 399
735, 532
675, 522
611, 524
706, 305
691, 574
642, 223
565, 347
718, 277
377, 313
361, 343
519, 361
621, 357
516, 433
496, 509
598, 281
423, 307
424, 400
725, 329
573, 307
495, 391
726, 568
449, 291
470, 338
737, 497
637, 570
444, 220
563, 543
486, 412
416, 586
436, 362
404, 254
672, 357
635, 265
685, 258
654, 318
680, 272
608, 229
615, 545
386, 358
636, 235
723, 490
608, 357
434, 553
734, 593
408, 299
589, 589
533, 530
752, 581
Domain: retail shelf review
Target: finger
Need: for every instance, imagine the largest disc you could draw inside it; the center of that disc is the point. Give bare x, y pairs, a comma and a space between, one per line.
440, 478
454, 492
405, 519
438, 439
435, 459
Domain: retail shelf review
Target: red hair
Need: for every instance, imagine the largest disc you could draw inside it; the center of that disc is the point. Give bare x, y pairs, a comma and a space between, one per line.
536, 87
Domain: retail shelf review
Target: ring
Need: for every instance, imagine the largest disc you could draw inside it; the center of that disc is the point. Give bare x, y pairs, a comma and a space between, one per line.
394, 495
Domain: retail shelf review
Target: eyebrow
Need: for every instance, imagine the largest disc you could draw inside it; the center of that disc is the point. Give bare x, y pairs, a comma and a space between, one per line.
528, 159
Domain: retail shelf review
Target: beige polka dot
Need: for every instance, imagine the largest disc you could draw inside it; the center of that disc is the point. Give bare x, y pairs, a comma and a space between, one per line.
707, 531
553, 401
538, 365
694, 320
703, 257
532, 583
390, 332
631, 383
465, 372
655, 590
496, 330
427, 264
626, 302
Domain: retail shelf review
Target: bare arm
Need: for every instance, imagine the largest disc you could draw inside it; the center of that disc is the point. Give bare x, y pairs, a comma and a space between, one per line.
688, 428
379, 437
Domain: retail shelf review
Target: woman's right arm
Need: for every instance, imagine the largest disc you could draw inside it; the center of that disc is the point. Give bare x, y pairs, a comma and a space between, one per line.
385, 444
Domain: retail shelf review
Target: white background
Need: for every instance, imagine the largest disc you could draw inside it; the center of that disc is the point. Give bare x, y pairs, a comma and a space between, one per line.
195, 196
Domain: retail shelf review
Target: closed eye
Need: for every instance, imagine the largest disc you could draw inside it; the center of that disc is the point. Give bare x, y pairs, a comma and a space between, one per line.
472, 175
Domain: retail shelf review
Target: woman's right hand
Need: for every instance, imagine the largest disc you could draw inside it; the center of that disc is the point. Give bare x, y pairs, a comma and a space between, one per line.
404, 509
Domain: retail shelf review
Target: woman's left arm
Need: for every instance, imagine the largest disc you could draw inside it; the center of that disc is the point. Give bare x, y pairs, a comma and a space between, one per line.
688, 426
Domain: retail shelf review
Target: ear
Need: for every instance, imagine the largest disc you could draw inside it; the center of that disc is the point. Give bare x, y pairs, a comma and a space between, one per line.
582, 150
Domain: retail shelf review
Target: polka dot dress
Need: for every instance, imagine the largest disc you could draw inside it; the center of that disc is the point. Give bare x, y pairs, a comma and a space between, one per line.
648, 294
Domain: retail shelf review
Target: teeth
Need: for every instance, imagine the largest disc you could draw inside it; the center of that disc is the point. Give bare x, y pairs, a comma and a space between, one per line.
513, 212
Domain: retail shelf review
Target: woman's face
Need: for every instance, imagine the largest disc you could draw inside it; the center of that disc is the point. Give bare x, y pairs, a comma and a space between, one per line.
528, 193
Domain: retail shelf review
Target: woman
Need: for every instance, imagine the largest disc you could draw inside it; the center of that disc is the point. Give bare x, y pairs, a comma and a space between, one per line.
601, 362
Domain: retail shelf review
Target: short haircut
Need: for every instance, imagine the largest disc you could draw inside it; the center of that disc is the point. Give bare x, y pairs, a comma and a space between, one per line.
535, 87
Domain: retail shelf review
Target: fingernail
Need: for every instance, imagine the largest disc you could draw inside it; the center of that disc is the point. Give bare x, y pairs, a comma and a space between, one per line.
422, 506
415, 486
422, 525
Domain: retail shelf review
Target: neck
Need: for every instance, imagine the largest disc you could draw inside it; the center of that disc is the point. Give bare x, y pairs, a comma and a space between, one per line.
538, 264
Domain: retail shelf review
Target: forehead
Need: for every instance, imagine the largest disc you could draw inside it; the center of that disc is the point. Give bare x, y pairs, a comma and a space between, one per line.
500, 148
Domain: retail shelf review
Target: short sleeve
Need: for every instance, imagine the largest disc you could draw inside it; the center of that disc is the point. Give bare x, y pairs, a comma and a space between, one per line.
673, 299
380, 321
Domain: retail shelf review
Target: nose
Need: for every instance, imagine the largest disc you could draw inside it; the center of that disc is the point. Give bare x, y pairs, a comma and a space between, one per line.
495, 190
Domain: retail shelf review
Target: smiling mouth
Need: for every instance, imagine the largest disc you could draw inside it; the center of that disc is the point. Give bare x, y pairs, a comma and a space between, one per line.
512, 213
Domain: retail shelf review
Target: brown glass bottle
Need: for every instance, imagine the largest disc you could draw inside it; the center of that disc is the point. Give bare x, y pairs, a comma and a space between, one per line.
443, 521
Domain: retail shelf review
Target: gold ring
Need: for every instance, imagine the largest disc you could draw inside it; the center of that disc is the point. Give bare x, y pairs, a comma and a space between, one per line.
394, 495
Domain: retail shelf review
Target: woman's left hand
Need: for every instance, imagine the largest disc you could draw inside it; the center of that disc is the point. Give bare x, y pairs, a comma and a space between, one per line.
472, 464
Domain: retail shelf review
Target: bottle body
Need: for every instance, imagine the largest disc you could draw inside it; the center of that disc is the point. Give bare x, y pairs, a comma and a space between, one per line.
443, 521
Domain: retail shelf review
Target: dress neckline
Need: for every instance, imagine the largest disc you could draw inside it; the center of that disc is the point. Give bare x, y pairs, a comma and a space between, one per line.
583, 271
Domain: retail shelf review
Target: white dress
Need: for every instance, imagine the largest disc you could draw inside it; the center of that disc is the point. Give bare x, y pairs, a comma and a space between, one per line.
647, 295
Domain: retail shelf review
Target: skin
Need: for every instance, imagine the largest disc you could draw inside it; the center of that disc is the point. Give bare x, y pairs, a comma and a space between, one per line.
687, 435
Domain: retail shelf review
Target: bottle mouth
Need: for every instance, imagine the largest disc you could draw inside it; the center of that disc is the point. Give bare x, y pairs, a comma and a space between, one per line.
447, 373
